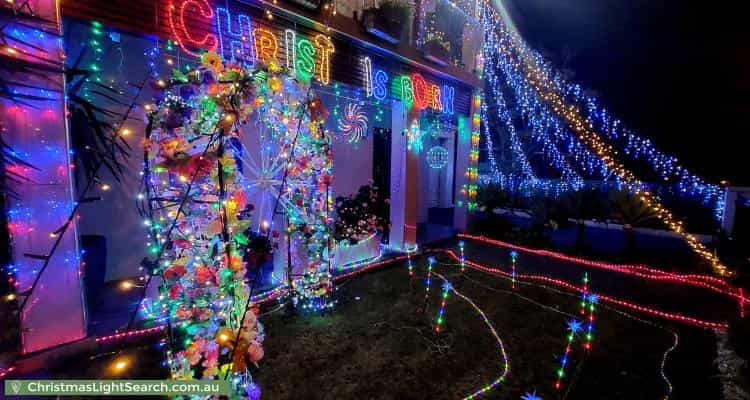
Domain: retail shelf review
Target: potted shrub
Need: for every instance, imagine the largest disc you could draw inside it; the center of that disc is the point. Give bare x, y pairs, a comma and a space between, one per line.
309, 4
360, 222
360, 215
437, 52
388, 21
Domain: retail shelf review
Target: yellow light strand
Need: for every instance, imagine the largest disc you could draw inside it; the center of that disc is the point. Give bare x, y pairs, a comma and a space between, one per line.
542, 84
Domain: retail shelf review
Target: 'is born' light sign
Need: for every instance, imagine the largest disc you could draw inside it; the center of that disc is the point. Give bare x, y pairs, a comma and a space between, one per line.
414, 90
195, 24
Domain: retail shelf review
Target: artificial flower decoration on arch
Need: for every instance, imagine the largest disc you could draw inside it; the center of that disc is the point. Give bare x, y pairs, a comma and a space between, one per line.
198, 190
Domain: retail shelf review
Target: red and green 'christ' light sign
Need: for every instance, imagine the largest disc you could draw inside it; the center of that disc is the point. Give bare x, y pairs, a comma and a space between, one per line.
236, 37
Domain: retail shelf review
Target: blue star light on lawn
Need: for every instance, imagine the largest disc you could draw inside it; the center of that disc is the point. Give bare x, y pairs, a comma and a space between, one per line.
593, 299
514, 254
447, 286
531, 396
574, 326
431, 260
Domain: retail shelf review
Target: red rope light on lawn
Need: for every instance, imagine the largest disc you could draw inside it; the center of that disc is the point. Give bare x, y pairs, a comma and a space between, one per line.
129, 334
633, 306
5, 372
742, 305
707, 282
262, 297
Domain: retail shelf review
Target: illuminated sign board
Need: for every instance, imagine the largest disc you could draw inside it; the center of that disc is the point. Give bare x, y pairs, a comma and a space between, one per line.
414, 90
235, 36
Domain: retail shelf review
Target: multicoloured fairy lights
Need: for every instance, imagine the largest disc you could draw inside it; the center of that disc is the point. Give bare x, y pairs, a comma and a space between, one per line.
592, 300
428, 278
574, 327
663, 364
484, 390
585, 292
461, 245
198, 235
409, 263
513, 260
44, 276
440, 319
469, 188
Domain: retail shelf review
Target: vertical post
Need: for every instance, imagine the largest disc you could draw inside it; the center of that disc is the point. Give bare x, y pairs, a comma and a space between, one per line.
54, 313
398, 174
460, 214
730, 206
411, 187
446, 185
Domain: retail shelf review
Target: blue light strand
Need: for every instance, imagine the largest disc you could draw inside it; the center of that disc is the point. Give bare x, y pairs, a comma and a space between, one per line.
547, 130
625, 139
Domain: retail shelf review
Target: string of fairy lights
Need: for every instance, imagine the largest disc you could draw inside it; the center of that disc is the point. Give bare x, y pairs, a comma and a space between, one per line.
515, 144
559, 112
546, 129
533, 114
574, 326
536, 74
639, 147
538, 83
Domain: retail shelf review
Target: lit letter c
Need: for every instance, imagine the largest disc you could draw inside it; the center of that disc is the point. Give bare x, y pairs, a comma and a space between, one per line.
196, 9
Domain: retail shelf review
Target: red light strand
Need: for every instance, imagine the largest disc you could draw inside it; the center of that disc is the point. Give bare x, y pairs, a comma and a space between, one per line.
704, 281
633, 306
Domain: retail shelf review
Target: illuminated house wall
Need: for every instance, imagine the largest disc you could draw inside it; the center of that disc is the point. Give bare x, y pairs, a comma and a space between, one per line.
54, 313
121, 61
167, 34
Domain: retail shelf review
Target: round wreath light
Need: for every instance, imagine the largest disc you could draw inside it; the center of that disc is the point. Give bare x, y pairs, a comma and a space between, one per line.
437, 157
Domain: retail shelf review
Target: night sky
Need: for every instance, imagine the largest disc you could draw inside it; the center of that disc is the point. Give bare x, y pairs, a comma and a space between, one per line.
677, 71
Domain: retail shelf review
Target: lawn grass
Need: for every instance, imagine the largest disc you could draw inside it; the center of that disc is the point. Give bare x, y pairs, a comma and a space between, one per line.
379, 343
